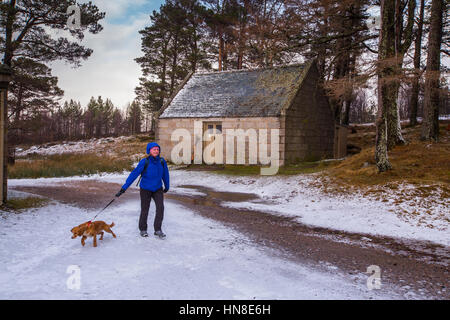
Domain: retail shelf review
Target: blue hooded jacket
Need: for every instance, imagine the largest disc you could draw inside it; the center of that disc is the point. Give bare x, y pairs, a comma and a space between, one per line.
151, 179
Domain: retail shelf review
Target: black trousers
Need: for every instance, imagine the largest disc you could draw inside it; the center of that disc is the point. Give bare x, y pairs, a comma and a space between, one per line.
158, 198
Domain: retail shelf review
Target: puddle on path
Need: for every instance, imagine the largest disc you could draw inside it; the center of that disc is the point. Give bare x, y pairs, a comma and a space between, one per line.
224, 196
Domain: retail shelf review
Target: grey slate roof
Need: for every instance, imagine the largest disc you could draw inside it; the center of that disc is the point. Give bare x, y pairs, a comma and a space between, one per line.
240, 93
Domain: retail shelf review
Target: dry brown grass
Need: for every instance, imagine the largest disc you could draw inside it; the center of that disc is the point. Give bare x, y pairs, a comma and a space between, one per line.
419, 178
108, 156
129, 148
417, 162
17, 205
66, 165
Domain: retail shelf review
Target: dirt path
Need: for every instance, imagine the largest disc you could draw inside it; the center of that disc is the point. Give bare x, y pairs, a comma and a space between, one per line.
419, 269
87, 194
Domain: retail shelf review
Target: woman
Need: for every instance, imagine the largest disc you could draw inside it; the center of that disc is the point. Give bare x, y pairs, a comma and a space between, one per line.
153, 171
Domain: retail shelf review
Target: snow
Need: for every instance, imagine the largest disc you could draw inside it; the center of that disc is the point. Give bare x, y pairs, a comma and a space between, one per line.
406, 121
293, 196
200, 259
70, 147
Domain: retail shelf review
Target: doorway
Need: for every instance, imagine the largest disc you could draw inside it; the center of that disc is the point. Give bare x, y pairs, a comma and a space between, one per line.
214, 128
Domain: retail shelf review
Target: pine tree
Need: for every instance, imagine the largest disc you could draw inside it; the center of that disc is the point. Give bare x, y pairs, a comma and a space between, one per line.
89, 118
33, 89
117, 122
172, 47
134, 114
23, 35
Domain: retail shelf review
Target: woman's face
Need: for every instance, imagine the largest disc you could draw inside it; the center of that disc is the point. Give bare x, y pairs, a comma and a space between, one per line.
154, 151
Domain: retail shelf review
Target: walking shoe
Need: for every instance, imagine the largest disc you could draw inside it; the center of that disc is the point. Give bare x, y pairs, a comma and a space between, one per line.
160, 234
144, 234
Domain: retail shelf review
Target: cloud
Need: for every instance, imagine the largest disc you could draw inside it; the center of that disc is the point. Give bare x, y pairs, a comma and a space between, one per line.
110, 71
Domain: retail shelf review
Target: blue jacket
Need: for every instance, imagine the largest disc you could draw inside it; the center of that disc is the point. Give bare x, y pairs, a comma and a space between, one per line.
151, 179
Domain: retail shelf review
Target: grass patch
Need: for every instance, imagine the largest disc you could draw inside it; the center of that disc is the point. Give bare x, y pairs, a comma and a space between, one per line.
417, 162
66, 165
19, 204
129, 148
302, 167
144, 138
238, 170
306, 167
136, 145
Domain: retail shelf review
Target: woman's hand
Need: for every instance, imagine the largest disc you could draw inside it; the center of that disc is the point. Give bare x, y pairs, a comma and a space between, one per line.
118, 194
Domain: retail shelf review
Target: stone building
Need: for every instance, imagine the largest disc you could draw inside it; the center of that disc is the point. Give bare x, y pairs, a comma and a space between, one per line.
287, 101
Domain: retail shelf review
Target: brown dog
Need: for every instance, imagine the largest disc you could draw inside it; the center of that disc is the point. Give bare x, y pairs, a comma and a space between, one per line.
91, 229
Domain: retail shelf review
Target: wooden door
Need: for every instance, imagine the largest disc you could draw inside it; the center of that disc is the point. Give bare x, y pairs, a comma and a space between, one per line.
215, 128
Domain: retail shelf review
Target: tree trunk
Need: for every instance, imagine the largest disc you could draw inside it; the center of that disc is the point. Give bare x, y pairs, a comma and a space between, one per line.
163, 76
388, 92
174, 63
394, 133
381, 156
349, 96
394, 130
221, 49
19, 108
385, 71
403, 39
152, 124
7, 59
414, 102
430, 124
240, 56
346, 118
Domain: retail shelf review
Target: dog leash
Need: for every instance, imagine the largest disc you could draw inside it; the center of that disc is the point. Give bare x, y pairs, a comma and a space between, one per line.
90, 221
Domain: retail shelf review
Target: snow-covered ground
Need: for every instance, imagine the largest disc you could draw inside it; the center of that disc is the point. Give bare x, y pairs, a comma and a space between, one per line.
71, 146
200, 259
368, 124
293, 196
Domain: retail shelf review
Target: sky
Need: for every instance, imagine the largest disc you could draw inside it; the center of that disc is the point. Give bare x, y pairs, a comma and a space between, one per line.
110, 71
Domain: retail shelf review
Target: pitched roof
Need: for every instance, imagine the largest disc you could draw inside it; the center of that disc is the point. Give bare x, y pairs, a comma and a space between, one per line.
239, 93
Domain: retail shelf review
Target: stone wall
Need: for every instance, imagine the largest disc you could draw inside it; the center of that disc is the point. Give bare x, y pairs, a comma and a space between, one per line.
308, 124
166, 126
